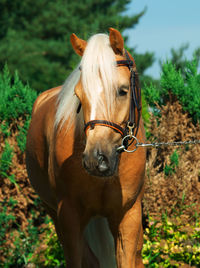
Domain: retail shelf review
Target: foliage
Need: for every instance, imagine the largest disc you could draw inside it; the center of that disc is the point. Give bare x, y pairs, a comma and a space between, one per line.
6, 159
35, 38
17, 243
52, 254
171, 168
178, 57
168, 242
16, 103
4, 128
143, 62
21, 137
145, 113
171, 242
164, 192
24, 242
5, 221
16, 99
186, 88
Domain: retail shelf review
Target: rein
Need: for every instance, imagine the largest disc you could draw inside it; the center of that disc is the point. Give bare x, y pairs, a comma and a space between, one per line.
132, 125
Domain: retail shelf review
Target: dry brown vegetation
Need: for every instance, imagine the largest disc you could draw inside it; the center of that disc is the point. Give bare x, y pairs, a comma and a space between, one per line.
18, 188
181, 189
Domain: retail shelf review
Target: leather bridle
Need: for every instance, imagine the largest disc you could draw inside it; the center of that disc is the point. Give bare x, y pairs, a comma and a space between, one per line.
132, 124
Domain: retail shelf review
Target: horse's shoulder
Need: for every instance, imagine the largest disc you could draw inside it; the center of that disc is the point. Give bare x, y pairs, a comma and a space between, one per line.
41, 124
44, 97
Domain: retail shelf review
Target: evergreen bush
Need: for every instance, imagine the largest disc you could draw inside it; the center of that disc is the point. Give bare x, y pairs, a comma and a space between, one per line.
6, 159
16, 242
175, 84
16, 99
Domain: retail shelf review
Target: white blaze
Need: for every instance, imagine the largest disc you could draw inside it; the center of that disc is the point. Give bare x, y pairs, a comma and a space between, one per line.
94, 105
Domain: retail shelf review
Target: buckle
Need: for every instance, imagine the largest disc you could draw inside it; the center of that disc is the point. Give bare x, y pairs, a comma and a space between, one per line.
130, 127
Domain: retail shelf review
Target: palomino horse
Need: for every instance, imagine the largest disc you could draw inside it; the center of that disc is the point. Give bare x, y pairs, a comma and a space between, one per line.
76, 162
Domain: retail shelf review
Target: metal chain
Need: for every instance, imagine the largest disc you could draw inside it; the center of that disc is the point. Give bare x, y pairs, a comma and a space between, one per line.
159, 144
123, 147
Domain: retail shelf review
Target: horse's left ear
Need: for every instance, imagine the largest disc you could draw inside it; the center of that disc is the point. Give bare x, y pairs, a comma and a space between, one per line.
116, 41
78, 44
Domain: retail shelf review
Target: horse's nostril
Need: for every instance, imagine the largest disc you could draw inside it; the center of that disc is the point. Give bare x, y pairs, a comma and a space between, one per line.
102, 163
100, 158
96, 163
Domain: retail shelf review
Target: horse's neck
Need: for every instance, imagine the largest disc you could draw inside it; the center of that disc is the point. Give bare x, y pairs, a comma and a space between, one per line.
70, 139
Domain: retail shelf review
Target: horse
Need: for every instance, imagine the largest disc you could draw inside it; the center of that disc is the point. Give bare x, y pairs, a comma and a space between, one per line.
78, 160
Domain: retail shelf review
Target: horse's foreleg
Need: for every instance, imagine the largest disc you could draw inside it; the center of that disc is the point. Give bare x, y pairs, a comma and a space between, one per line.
69, 231
129, 239
89, 259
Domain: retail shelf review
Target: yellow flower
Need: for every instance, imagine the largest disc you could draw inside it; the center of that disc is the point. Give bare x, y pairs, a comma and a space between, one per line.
169, 223
163, 244
145, 261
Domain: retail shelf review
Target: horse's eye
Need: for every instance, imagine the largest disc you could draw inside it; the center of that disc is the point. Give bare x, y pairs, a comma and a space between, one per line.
123, 91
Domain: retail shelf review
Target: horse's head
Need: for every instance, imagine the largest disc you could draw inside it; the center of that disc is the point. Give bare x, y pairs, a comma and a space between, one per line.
104, 93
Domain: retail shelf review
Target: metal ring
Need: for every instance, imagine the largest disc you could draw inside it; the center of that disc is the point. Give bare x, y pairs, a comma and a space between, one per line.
132, 137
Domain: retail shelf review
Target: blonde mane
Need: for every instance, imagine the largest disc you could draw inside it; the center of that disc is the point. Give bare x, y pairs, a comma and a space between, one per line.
98, 73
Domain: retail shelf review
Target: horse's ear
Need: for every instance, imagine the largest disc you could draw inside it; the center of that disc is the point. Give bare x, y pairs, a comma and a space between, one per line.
116, 41
78, 44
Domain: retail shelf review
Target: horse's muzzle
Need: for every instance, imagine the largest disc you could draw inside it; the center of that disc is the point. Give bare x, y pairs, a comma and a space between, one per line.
100, 164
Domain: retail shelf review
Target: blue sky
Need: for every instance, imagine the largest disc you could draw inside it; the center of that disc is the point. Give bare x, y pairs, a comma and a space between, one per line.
167, 24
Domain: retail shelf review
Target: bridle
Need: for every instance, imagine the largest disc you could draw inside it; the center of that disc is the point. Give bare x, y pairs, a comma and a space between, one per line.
128, 133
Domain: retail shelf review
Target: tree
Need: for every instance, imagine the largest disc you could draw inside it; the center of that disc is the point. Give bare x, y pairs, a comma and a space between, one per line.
34, 37
175, 84
178, 58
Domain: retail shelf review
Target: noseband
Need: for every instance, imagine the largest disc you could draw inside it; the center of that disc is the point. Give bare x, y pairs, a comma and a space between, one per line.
132, 124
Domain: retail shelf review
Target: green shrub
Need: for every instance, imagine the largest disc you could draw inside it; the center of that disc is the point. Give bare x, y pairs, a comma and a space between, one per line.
21, 137
4, 129
22, 242
145, 112
6, 159
54, 253
23, 246
16, 104
16, 99
171, 168
52, 256
185, 87
5, 223
16, 244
